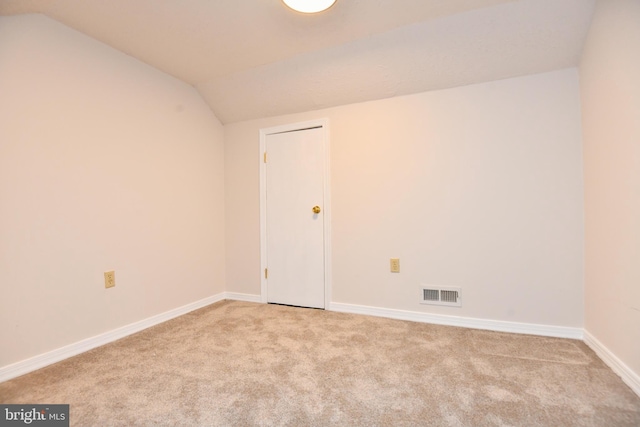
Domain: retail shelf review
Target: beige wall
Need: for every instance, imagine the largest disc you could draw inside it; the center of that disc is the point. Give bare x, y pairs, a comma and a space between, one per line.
105, 163
610, 90
479, 187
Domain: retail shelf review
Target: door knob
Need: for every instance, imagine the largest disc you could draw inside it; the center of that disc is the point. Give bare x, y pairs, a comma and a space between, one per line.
316, 209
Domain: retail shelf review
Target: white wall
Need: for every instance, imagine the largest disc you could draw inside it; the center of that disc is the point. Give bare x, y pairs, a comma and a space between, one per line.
479, 187
105, 163
610, 90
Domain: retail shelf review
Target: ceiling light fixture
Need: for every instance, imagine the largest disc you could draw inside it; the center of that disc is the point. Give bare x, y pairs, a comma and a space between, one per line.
309, 6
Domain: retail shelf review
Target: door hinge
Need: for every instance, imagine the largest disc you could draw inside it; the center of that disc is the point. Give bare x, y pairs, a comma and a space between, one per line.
266, 273
265, 157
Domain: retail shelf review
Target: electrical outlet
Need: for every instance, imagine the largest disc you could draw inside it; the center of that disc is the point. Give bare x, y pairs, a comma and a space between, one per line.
109, 279
395, 265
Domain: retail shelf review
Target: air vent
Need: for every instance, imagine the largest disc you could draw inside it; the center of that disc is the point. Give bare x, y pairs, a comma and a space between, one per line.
441, 296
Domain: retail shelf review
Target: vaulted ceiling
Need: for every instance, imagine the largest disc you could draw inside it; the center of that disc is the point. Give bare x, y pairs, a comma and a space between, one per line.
257, 58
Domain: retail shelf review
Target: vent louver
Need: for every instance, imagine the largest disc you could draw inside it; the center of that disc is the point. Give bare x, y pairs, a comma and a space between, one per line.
441, 296
430, 295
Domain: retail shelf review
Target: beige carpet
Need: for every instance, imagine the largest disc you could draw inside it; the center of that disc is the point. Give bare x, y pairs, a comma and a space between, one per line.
244, 364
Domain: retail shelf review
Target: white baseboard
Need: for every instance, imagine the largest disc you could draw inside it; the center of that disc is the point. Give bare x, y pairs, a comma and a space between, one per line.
464, 322
29, 365
630, 378
243, 297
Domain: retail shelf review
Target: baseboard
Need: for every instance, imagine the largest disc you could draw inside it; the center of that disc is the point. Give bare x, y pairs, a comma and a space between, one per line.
630, 378
29, 365
23, 367
243, 297
464, 322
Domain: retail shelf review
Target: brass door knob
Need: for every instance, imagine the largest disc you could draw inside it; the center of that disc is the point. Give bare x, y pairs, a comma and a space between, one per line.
316, 209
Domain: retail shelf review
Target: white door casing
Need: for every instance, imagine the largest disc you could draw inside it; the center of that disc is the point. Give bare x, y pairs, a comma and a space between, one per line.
295, 241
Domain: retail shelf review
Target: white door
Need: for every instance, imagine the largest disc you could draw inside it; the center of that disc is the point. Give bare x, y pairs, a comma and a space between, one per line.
295, 218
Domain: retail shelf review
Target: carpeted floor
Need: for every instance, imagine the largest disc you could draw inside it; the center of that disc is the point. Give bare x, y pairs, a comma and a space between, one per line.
245, 364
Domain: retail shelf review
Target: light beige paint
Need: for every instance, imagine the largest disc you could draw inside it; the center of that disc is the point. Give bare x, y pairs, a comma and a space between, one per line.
479, 187
199, 40
358, 50
105, 164
506, 40
610, 89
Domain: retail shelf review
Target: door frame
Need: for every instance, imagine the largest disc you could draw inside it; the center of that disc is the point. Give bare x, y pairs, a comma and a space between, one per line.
324, 124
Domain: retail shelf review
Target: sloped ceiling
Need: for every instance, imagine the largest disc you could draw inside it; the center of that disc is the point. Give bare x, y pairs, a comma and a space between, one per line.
257, 58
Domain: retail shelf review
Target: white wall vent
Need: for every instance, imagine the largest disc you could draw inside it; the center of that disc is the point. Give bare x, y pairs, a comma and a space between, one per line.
441, 296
